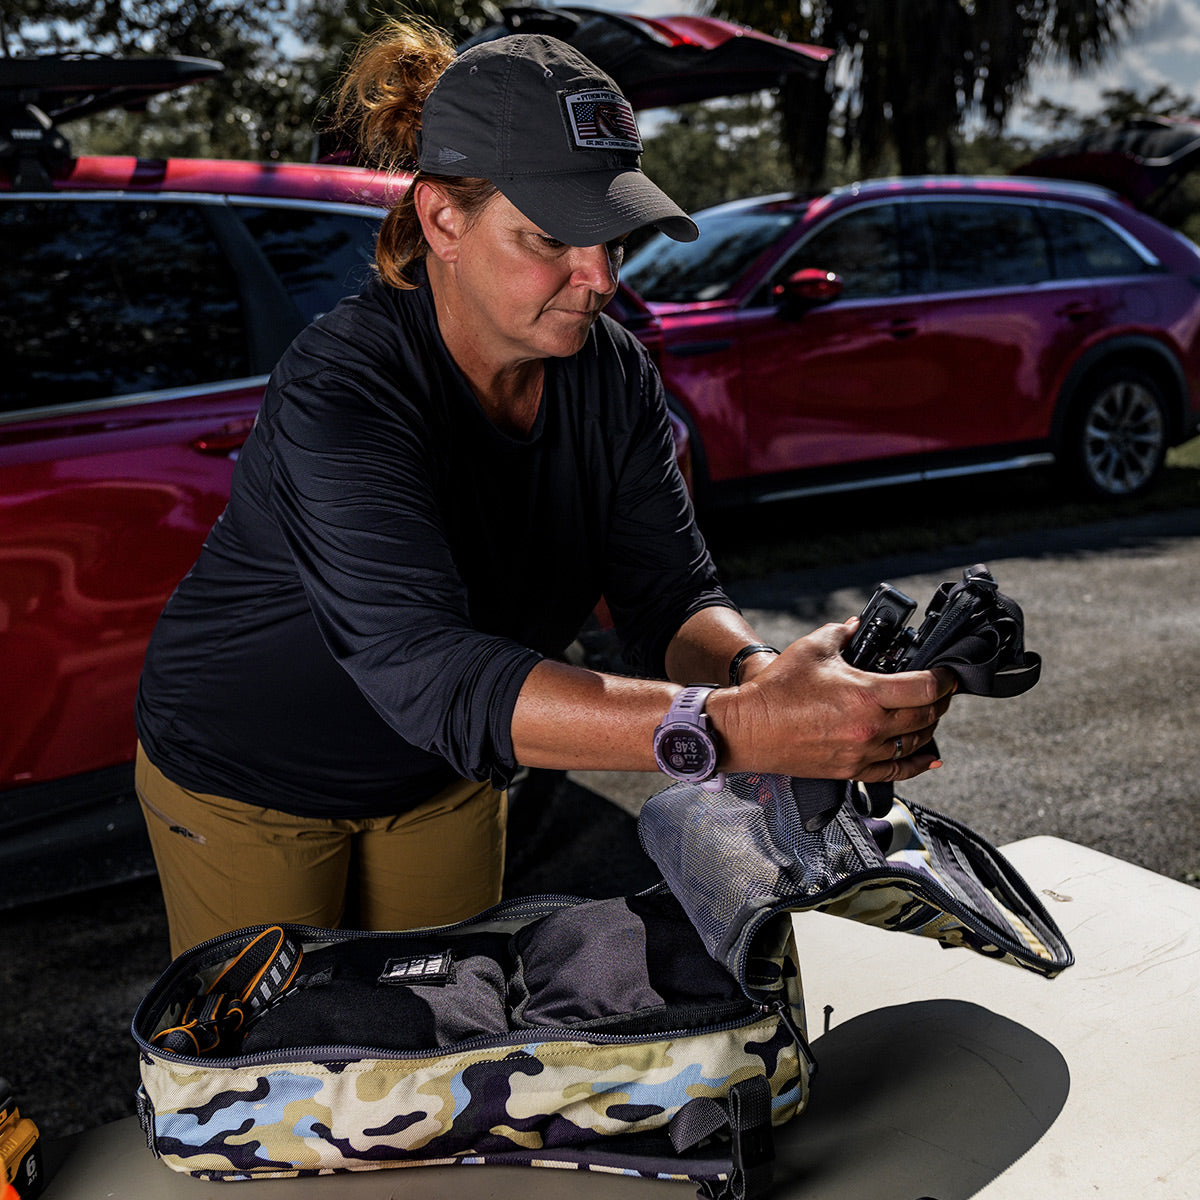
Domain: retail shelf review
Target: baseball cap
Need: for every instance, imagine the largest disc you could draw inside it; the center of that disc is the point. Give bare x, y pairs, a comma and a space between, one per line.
553, 133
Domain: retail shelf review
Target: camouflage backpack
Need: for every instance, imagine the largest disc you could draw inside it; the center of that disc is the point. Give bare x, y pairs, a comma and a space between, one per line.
659, 1035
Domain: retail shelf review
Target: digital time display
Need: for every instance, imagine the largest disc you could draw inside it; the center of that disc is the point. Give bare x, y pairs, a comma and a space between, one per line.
686, 753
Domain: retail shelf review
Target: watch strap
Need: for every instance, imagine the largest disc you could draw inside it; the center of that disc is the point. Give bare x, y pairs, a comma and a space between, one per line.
689, 704
687, 708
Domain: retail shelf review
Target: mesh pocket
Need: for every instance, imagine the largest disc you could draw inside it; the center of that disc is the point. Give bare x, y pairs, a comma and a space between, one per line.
729, 854
743, 854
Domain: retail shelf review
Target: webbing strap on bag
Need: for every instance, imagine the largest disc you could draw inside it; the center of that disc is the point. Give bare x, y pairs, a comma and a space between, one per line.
261, 972
746, 1117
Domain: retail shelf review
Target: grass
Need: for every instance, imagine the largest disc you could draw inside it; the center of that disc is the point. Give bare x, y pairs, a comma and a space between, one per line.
753, 543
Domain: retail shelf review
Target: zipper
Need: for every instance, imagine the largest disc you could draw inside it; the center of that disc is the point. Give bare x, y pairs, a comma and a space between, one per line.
1011, 880
531, 1034
173, 826
783, 1011
949, 903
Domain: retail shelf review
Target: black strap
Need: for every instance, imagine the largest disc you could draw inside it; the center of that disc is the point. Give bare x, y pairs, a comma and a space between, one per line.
735, 664
747, 1117
977, 632
214, 1021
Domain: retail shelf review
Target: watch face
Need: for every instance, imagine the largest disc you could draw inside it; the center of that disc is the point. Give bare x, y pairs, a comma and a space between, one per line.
686, 753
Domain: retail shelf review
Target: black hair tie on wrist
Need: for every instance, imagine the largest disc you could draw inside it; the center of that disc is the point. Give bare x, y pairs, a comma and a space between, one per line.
735, 666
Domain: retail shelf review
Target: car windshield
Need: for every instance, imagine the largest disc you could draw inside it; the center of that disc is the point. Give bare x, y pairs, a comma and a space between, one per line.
706, 269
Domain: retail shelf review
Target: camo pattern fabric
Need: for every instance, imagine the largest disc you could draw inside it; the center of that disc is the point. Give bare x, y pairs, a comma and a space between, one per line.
514, 1102
739, 858
895, 904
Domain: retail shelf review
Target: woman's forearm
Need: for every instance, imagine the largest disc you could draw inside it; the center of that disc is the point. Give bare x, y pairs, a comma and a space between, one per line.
805, 712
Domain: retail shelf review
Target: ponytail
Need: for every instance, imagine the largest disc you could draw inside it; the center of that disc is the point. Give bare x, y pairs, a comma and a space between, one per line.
378, 104
380, 97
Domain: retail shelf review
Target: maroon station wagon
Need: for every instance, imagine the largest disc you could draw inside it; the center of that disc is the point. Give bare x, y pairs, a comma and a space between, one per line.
911, 329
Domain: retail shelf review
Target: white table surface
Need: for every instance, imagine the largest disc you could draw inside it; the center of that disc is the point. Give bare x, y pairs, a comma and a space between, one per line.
942, 1074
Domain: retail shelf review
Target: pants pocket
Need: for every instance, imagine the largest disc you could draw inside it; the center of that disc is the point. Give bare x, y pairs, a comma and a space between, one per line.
173, 826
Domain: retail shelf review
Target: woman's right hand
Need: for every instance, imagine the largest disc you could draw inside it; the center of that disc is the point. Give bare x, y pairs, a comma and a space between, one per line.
810, 714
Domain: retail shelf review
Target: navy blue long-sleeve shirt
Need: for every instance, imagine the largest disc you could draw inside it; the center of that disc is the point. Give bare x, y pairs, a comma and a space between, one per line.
391, 566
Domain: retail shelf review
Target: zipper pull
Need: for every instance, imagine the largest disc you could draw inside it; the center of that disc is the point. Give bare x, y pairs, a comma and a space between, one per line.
783, 1011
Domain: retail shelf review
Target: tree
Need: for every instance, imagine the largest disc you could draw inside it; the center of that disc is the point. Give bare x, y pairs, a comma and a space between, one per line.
281, 58
908, 73
710, 152
329, 30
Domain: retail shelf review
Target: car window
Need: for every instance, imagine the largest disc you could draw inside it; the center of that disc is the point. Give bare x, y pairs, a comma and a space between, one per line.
108, 298
1084, 247
979, 244
320, 255
706, 269
863, 247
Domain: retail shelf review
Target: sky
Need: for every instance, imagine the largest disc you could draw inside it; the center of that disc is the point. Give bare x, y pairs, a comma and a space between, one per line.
1165, 49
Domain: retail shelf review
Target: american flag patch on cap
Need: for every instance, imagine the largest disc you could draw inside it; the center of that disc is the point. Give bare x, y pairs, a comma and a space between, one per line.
602, 120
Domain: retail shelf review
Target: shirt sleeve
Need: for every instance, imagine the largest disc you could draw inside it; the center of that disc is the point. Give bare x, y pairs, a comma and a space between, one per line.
658, 570
354, 495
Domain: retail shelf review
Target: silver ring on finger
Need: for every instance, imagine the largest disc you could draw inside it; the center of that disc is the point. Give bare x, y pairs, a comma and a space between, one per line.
899, 749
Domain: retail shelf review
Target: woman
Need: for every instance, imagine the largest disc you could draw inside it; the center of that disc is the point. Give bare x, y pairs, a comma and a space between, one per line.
446, 474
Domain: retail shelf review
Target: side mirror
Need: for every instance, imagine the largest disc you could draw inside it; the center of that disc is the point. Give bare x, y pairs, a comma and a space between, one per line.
807, 288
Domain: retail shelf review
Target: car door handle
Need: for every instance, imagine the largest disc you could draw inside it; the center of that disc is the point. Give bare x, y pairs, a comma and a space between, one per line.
227, 440
693, 349
1075, 310
898, 327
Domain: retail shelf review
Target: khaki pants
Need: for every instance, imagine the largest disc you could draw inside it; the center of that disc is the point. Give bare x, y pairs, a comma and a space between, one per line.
224, 865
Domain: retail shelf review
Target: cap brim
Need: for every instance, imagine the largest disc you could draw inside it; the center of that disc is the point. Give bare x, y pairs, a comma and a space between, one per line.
590, 207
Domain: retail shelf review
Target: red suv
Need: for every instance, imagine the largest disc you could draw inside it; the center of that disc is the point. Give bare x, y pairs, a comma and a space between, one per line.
918, 328
144, 304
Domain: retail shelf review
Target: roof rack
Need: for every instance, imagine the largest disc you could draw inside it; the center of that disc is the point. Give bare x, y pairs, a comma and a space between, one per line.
39, 94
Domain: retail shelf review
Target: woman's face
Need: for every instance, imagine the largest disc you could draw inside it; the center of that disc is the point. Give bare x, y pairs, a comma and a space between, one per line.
521, 293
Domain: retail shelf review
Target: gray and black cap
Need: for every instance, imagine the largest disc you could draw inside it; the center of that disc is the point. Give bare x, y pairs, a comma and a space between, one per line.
553, 133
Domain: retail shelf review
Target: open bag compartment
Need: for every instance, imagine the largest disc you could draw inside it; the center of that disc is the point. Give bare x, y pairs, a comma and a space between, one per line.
630, 965
543, 1027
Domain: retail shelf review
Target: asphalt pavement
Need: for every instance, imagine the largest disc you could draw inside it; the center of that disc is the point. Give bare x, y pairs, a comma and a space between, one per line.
1103, 751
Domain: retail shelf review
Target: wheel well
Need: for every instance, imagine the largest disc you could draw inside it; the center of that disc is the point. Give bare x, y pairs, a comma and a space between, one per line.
1146, 356
699, 457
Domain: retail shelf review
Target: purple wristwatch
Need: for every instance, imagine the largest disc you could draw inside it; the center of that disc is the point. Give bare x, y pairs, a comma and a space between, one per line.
684, 747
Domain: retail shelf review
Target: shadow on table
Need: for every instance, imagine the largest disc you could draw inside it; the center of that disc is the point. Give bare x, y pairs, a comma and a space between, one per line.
930, 1099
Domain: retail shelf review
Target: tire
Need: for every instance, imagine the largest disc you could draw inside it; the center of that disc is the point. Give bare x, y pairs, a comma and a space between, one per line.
699, 462
1118, 439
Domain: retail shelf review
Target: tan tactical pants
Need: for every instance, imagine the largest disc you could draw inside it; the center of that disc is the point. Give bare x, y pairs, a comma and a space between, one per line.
224, 865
